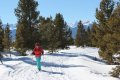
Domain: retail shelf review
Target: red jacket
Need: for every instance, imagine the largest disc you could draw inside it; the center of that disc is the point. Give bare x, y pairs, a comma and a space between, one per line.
38, 51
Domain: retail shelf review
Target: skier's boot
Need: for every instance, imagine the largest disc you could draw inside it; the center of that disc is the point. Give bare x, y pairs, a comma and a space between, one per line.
39, 69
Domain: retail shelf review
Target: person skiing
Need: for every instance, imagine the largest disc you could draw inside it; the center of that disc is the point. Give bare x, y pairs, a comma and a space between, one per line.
1, 58
38, 51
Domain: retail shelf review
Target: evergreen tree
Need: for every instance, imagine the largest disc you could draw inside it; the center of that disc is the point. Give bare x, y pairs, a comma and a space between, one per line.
27, 16
7, 40
1, 41
43, 29
103, 14
80, 36
88, 37
62, 29
59, 24
114, 31
94, 35
114, 38
68, 36
36, 35
1, 37
20, 42
52, 37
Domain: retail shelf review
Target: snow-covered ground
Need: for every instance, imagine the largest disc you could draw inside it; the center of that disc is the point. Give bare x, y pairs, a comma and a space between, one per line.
73, 64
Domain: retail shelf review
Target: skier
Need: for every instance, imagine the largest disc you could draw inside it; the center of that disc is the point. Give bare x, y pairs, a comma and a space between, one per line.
1, 58
38, 51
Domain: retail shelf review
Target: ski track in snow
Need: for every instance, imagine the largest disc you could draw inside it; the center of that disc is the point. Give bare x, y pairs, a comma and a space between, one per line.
73, 64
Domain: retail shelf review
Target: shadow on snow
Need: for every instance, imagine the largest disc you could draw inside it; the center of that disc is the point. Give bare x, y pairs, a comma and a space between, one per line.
64, 54
45, 64
51, 72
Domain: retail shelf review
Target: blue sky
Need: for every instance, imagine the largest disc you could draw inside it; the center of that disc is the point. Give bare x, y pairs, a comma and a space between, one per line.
72, 10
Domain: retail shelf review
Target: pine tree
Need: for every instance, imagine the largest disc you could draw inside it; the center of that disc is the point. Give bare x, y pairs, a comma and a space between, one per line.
43, 29
62, 29
103, 14
68, 36
94, 35
114, 38
20, 42
80, 36
114, 31
36, 35
88, 37
1, 41
52, 37
1, 37
27, 16
7, 40
59, 24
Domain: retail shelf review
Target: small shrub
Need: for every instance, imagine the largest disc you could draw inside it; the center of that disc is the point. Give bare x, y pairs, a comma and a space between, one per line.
116, 72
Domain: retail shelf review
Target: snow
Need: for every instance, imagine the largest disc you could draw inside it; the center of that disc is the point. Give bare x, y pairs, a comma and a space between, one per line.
73, 64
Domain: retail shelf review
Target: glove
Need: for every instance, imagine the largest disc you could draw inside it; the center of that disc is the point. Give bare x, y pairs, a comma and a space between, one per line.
42, 52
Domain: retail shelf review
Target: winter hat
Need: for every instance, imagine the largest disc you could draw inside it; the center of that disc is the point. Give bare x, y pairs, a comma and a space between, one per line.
37, 44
